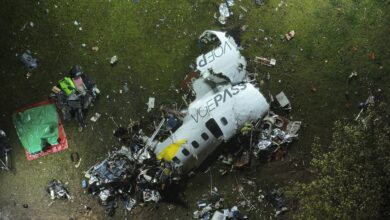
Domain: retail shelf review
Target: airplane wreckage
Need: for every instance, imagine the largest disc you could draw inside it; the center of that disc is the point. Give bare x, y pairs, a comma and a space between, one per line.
226, 103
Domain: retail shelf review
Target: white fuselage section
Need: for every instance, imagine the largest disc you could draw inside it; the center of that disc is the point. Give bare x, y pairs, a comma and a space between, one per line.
214, 118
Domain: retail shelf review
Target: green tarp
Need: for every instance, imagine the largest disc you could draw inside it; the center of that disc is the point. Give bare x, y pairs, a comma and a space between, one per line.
37, 127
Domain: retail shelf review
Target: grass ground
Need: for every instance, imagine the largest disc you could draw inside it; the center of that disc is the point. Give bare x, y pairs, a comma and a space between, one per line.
155, 42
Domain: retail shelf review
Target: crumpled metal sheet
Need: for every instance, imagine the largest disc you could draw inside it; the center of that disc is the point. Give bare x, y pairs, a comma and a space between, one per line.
275, 131
104, 195
224, 10
28, 60
293, 127
224, 62
264, 144
151, 196
57, 190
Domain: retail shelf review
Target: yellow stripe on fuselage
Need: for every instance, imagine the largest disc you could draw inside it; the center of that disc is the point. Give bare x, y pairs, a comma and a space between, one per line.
170, 151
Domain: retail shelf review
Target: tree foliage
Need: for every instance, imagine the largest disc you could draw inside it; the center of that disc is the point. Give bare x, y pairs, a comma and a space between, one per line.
353, 177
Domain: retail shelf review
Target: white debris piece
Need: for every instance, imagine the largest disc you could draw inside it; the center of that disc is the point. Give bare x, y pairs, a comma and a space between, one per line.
282, 99
230, 2
244, 9
152, 195
76, 23
151, 103
353, 74
78, 164
290, 35
218, 216
130, 204
95, 117
293, 127
224, 13
265, 61
114, 60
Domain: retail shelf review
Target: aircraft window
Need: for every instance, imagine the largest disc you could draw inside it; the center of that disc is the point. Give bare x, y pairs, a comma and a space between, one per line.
195, 144
214, 128
224, 121
205, 136
185, 152
176, 160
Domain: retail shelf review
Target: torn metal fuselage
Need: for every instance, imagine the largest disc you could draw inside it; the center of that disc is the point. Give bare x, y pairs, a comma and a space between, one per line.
224, 63
224, 103
211, 120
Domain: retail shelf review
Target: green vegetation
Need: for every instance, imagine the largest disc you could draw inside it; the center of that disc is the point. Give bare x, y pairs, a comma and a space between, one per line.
155, 41
352, 179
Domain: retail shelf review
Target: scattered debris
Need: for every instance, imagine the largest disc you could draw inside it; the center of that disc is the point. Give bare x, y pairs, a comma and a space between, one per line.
260, 2
5, 152
224, 12
27, 59
95, 117
243, 160
244, 9
244, 27
276, 198
146, 166
275, 132
74, 94
283, 100
116, 175
151, 103
353, 75
265, 61
151, 196
78, 164
212, 207
290, 35
74, 157
114, 60
230, 3
369, 101
95, 49
57, 191
84, 183
125, 87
